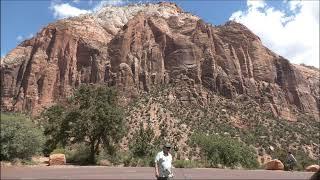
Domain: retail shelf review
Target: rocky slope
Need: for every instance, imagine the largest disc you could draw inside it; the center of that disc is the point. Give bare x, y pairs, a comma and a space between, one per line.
144, 48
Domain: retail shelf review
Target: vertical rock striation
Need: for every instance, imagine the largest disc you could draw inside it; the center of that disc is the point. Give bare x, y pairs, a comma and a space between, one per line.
139, 47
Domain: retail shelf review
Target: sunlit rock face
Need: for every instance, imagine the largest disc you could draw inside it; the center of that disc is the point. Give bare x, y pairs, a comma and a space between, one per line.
140, 47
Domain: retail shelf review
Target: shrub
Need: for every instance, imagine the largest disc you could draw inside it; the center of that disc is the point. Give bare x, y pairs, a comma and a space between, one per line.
78, 154
218, 150
132, 161
141, 144
303, 160
117, 158
20, 138
59, 151
187, 164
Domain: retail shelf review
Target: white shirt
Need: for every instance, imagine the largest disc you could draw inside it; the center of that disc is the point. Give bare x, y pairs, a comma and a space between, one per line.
164, 164
291, 158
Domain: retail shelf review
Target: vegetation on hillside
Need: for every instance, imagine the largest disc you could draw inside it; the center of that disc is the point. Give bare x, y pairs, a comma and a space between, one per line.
239, 118
90, 127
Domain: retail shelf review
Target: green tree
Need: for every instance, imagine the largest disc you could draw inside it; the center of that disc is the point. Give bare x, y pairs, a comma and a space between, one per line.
93, 117
53, 120
225, 151
141, 145
20, 137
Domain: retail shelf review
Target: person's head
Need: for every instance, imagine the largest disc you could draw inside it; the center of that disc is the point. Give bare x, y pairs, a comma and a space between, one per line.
289, 152
166, 147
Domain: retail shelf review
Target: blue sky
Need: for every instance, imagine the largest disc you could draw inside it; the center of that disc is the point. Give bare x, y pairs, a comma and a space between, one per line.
22, 19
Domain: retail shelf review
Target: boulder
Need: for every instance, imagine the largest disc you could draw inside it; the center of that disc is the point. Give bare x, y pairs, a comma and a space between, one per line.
57, 159
264, 159
274, 164
313, 168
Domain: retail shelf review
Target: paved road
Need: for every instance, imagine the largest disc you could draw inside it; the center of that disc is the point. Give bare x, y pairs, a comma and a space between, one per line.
99, 172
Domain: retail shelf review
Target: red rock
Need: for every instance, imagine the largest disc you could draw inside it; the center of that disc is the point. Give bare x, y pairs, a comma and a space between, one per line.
57, 159
274, 164
313, 168
151, 45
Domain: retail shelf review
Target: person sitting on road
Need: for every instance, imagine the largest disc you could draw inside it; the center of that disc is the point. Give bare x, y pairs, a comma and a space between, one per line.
291, 160
163, 164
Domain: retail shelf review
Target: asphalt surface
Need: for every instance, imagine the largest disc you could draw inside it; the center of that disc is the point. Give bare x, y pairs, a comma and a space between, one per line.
100, 172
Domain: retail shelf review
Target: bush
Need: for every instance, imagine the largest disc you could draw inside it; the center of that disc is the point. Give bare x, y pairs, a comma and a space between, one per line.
218, 150
58, 151
78, 154
141, 144
142, 148
20, 138
303, 160
187, 164
129, 160
139, 161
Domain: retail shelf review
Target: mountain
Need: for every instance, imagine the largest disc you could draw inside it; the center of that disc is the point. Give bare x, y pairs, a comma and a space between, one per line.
172, 63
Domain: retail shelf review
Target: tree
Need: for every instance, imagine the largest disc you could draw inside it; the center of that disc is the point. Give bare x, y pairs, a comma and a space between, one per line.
141, 145
224, 150
93, 117
20, 138
52, 121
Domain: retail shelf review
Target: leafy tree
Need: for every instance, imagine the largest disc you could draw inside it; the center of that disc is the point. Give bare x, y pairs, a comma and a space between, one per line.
93, 117
20, 138
225, 151
53, 118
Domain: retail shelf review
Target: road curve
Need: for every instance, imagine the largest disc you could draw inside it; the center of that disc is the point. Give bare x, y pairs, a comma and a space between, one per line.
100, 172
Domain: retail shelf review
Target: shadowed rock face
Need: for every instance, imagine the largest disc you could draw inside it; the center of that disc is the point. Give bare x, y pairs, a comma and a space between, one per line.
157, 45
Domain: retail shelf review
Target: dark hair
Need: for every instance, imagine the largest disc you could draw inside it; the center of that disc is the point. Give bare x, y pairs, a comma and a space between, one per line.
289, 152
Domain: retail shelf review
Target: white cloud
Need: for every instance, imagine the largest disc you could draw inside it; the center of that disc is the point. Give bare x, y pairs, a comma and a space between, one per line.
256, 4
109, 3
113, 2
19, 38
63, 10
293, 34
30, 36
66, 10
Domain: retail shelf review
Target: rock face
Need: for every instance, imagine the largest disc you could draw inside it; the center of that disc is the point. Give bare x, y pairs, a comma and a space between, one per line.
274, 165
136, 48
57, 159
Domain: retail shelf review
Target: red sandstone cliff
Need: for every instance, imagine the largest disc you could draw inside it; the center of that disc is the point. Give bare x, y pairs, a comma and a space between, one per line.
138, 48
